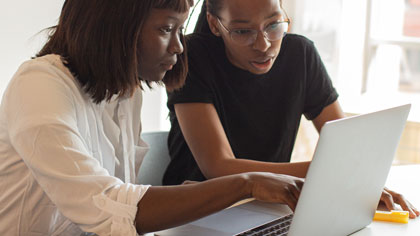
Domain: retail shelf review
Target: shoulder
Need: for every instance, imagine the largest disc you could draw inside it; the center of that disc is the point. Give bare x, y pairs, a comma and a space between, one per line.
41, 92
295, 45
50, 63
297, 40
200, 39
43, 79
204, 50
199, 44
47, 71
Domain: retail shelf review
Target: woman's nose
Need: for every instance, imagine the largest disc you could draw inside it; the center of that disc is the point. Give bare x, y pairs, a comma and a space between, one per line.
261, 42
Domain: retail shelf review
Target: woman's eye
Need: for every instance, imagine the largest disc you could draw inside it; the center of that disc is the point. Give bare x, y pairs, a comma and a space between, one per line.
242, 31
274, 26
166, 30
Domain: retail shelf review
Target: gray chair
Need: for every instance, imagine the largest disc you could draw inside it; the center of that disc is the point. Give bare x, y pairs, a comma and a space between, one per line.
156, 160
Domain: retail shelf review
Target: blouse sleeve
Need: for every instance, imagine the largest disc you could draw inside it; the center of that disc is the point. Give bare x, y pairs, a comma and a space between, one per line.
41, 114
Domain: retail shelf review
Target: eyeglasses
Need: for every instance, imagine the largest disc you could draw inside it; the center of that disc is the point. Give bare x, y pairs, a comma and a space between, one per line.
245, 37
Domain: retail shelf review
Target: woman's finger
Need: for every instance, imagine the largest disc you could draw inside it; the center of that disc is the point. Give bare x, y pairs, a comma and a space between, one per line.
386, 198
415, 210
295, 190
290, 200
300, 183
405, 205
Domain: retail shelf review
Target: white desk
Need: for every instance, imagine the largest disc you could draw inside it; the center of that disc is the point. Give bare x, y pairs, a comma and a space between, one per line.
403, 179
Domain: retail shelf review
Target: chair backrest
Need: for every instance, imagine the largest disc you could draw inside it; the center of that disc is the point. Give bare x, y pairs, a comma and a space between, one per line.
156, 160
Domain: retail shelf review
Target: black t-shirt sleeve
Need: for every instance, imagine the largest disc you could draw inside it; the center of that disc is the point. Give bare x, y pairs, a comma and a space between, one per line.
320, 91
198, 84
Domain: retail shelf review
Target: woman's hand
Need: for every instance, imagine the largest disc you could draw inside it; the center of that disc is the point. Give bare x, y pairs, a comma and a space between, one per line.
389, 198
179, 204
269, 187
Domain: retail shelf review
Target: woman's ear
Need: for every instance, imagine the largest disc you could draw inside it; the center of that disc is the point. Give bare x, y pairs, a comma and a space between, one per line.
212, 20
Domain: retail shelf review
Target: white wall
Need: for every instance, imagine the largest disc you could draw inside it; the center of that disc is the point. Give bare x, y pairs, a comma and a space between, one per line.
20, 23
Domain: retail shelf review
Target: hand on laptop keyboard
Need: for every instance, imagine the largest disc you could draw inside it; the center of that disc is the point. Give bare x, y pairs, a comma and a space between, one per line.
269, 187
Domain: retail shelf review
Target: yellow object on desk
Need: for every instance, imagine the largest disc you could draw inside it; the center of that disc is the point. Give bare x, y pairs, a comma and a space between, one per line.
392, 216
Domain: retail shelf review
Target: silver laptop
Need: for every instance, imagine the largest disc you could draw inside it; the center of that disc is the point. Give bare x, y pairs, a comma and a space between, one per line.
342, 187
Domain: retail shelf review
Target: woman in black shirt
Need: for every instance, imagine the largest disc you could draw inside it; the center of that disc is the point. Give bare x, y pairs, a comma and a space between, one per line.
248, 86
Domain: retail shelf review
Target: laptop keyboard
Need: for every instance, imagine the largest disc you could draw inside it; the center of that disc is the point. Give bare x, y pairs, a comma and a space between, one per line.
277, 227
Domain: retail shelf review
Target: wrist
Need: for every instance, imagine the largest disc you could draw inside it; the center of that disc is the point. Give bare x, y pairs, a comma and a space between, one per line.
248, 185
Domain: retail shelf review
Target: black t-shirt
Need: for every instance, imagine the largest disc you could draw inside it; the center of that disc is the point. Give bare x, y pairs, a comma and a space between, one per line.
259, 113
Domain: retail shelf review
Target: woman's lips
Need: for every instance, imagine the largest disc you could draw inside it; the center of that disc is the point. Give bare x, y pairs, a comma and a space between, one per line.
262, 64
167, 66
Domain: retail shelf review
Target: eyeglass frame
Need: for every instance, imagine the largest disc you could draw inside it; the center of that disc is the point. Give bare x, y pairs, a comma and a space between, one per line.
263, 31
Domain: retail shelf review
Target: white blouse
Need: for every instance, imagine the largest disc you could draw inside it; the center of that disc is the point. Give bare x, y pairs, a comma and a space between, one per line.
67, 165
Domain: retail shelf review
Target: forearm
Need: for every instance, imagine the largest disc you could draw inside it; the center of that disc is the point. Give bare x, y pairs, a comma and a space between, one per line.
165, 207
234, 166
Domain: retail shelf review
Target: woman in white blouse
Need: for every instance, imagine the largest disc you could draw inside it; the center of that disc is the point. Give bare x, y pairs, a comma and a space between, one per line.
70, 144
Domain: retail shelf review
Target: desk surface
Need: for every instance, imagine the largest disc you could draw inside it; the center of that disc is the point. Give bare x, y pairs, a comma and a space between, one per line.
402, 179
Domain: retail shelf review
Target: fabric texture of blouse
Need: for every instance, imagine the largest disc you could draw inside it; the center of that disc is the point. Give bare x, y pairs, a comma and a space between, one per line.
67, 165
